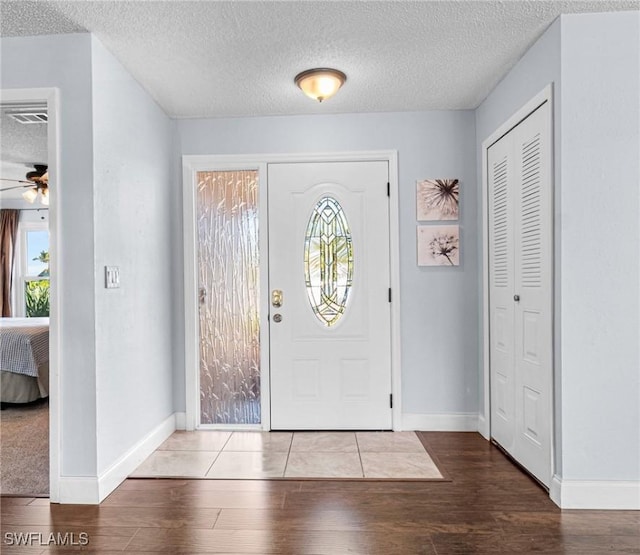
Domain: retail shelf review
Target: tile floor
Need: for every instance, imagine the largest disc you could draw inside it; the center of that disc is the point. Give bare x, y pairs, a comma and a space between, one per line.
297, 455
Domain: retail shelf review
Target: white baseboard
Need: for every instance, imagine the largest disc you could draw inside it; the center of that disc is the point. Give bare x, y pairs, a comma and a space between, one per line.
78, 490
89, 490
450, 422
127, 463
181, 420
592, 494
483, 427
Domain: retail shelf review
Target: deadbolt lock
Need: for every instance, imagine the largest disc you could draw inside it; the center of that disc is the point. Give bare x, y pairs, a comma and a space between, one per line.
277, 318
276, 298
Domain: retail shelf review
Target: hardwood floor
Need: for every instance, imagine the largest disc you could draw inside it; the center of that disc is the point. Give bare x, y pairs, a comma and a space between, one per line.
488, 507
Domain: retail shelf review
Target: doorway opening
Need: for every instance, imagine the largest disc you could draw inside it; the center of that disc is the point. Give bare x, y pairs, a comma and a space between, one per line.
30, 311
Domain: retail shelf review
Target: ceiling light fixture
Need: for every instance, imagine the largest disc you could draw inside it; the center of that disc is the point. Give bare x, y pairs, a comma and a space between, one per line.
44, 195
36, 184
30, 195
320, 83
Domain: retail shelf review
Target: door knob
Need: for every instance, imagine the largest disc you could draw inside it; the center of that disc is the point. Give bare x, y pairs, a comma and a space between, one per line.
516, 298
276, 298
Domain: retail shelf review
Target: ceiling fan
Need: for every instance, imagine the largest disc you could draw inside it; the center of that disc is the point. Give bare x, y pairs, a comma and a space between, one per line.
37, 181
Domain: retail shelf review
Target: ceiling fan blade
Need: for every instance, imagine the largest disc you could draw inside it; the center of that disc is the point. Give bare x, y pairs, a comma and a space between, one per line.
16, 186
16, 180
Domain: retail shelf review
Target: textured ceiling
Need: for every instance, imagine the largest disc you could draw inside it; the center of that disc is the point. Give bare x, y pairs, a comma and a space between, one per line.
25, 145
217, 58
21, 146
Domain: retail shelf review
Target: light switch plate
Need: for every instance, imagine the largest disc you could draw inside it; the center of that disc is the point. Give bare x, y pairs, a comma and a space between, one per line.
112, 277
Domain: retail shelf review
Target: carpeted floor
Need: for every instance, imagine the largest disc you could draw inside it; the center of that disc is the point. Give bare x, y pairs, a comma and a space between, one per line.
24, 449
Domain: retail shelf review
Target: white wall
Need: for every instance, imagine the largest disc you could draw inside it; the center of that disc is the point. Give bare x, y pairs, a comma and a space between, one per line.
133, 177
64, 61
600, 246
439, 305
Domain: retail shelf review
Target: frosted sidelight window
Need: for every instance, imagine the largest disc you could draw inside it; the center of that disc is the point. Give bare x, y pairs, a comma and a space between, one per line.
328, 261
229, 285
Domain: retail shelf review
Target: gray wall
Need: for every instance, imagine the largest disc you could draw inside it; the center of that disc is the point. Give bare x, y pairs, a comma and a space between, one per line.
601, 246
439, 305
593, 61
114, 207
133, 181
64, 61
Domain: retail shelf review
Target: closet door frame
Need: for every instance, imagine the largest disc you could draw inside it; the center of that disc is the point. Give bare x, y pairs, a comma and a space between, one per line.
484, 420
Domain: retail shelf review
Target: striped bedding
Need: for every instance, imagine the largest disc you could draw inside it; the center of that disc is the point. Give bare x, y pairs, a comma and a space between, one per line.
24, 345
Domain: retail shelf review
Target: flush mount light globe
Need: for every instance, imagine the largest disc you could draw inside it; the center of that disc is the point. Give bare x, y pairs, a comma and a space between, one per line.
320, 83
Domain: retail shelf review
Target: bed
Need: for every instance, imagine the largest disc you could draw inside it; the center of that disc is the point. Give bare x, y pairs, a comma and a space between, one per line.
24, 359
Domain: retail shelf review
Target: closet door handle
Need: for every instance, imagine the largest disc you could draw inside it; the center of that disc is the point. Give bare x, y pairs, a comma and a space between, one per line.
516, 298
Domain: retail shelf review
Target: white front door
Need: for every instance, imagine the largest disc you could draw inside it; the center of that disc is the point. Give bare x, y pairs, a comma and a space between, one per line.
330, 298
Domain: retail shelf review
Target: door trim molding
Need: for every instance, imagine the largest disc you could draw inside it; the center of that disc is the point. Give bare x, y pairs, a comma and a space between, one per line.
484, 417
194, 163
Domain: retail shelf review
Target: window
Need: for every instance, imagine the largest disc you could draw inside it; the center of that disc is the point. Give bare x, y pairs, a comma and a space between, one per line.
32, 284
328, 261
229, 281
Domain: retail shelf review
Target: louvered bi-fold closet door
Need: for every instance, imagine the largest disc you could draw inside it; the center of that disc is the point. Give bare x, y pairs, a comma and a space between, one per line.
501, 286
533, 286
520, 304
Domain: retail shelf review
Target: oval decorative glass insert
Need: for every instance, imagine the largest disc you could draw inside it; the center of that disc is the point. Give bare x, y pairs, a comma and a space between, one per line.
328, 261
